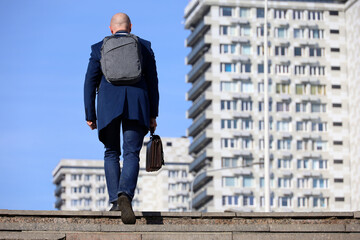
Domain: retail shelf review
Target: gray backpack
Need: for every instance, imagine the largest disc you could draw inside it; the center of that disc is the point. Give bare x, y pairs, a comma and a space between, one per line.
121, 59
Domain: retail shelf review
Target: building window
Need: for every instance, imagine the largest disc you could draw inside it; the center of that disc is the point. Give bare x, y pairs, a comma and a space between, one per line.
336, 105
279, 14
317, 70
227, 30
229, 182
284, 182
335, 86
320, 202
245, 67
227, 48
316, 52
335, 68
299, 33
244, 12
284, 144
245, 30
261, 87
319, 126
284, 163
319, 145
283, 126
318, 107
100, 178
335, 49
229, 123
281, 51
261, 106
303, 202
284, 202
281, 32
87, 177
245, 49
320, 183
303, 164
228, 105
247, 87
228, 143
318, 90
315, 15
260, 13
338, 143
229, 162
260, 31
337, 124
303, 183
246, 105
228, 87
283, 88
227, 67
301, 126
298, 14
283, 106
319, 164
334, 13
338, 161
226, 11
316, 33
339, 199
338, 180
298, 51
248, 181
299, 70
334, 31
248, 201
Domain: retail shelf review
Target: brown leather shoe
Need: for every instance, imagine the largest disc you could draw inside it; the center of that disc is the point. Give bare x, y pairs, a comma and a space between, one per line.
127, 213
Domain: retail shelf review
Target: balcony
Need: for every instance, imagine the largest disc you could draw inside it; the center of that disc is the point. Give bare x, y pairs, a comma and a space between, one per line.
58, 190
243, 191
202, 198
198, 87
200, 142
199, 124
198, 68
199, 161
200, 29
201, 180
195, 12
199, 105
244, 153
199, 49
241, 115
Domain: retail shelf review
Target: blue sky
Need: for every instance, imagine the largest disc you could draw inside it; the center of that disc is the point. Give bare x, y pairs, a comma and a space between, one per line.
45, 47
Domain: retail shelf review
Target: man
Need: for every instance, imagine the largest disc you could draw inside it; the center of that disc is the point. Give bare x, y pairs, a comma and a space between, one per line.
134, 106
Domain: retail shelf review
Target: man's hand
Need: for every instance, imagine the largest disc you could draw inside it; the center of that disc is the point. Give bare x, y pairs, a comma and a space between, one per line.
153, 125
92, 124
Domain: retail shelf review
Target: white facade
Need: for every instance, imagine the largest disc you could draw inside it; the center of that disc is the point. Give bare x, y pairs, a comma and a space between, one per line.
81, 184
313, 91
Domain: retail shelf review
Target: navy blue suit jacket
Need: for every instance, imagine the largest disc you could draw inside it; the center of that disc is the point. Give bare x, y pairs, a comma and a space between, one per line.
139, 101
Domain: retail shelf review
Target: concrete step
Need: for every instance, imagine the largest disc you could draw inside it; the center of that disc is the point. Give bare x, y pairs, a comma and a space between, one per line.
182, 226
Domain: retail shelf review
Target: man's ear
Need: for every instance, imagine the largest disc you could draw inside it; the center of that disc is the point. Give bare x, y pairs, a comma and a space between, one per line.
130, 27
111, 30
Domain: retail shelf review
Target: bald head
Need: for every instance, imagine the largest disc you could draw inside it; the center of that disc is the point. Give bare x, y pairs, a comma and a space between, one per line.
120, 22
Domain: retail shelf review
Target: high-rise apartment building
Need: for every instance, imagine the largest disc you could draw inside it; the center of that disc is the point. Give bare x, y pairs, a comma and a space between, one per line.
81, 184
314, 100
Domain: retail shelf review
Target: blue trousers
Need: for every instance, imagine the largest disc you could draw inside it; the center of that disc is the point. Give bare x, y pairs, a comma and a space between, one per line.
122, 180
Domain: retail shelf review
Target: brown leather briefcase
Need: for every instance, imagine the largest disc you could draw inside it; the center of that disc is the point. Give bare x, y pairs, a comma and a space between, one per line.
154, 154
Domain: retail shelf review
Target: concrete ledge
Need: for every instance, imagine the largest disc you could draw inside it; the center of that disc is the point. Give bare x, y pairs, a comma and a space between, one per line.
178, 226
307, 228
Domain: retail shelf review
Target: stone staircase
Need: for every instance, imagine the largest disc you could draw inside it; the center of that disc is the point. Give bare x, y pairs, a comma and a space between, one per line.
179, 226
